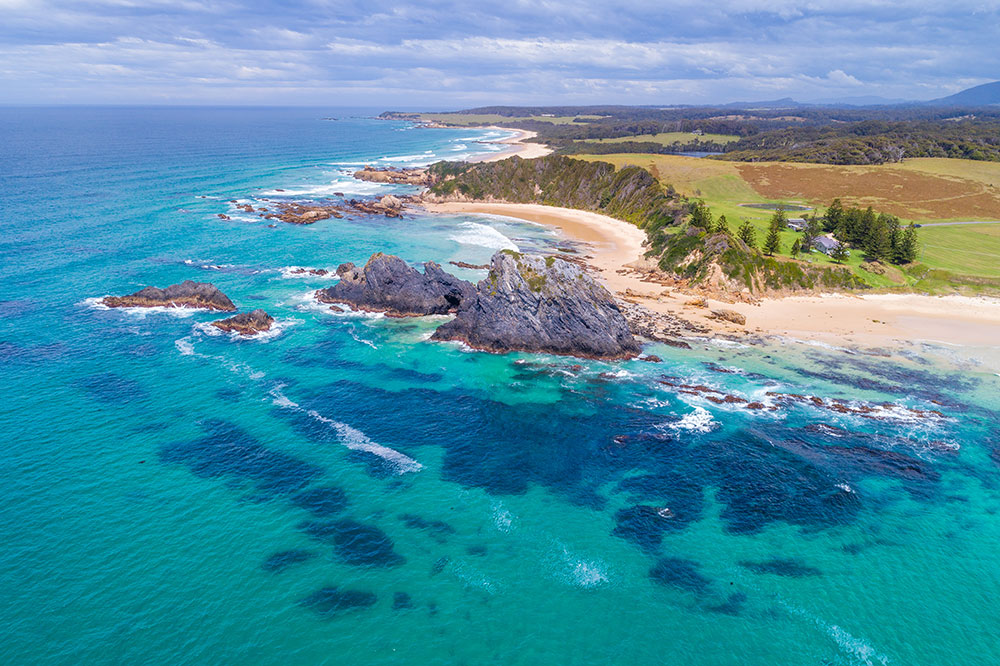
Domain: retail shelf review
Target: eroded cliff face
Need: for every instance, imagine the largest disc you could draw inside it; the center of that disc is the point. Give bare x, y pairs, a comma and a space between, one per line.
541, 304
390, 285
187, 294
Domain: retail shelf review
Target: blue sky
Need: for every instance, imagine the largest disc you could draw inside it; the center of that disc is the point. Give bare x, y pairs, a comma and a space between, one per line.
444, 54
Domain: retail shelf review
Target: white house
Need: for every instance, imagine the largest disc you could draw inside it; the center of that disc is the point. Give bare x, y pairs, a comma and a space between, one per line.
826, 244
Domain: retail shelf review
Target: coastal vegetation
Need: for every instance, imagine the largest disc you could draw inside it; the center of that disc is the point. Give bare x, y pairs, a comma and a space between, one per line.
682, 236
781, 132
666, 195
631, 193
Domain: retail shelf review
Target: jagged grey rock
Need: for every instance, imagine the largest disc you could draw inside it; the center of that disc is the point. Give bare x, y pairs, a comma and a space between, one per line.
541, 304
187, 294
390, 285
246, 323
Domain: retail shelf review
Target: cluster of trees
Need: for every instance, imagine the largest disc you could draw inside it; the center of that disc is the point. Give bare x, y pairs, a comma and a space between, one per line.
873, 142
709, 245
649, 147
879, 235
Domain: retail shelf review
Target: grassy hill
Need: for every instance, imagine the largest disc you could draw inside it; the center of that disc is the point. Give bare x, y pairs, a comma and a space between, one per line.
920, 190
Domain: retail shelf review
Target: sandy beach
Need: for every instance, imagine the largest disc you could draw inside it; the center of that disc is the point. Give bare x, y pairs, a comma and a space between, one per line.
869, 320
516, 146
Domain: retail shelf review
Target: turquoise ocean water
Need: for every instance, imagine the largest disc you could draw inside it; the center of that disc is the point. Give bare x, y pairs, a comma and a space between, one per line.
345, 491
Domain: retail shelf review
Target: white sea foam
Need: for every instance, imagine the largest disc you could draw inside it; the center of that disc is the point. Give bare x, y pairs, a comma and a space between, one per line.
185, 346
700, 420
589, 574
350, 437
97, 303
342, 182
357, 338
289, 273
473, 233
278, 327
428, 157
474, 578
207, 266
858, 649
583, 572
502, 518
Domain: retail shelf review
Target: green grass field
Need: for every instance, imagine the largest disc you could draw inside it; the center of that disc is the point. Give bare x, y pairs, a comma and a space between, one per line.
669, 138
966, 249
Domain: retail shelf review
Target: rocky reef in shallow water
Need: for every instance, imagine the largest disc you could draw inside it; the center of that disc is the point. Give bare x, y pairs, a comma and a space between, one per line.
188, 294
390, 285
246, 323
541, 304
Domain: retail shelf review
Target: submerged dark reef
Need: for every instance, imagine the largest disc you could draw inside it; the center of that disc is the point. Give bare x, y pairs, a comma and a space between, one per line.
592, 447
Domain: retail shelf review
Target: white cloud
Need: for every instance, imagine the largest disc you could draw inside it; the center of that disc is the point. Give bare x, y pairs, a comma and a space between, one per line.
840, 78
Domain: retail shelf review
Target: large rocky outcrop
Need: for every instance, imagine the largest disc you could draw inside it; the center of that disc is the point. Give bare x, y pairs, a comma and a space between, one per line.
541, 304
390, 285
246, 323
187, 294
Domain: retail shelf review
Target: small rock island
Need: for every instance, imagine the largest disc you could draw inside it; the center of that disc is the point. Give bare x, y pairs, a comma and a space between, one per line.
246, 323
390, 285
187, 294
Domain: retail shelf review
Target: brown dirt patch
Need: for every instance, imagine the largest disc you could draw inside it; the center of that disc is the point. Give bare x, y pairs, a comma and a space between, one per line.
908, 194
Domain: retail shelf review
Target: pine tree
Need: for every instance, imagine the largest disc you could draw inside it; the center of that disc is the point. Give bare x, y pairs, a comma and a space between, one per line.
772, 243
895, 237
748, 234
796, 247
877, 242
908, 246
863, 228
701, 216
810, 234
834, 216
722, 226
839, 253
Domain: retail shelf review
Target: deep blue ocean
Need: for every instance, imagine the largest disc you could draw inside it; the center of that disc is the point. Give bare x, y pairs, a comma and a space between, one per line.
345, 491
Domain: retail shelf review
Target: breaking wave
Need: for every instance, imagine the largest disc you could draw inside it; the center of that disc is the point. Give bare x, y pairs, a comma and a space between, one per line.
473, 233
350, 437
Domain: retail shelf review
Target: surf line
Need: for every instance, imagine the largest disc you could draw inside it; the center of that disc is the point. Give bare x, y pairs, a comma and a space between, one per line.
349, 436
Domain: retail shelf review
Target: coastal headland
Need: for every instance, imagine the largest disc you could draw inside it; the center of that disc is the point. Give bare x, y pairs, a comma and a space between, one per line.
615, 248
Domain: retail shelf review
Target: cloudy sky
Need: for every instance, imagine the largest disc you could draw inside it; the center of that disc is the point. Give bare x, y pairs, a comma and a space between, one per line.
448, 54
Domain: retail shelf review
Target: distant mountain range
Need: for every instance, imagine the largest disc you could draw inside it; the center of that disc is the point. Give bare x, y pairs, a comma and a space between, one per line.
984, 95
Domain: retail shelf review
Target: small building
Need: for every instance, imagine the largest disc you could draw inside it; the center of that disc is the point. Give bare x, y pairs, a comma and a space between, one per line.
797, 224
698, 132
826, 244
